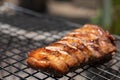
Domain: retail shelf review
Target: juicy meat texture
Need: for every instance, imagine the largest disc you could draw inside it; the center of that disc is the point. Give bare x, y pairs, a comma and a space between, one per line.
82, 45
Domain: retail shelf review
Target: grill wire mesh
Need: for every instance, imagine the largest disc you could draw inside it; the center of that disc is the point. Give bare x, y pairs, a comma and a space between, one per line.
21, 33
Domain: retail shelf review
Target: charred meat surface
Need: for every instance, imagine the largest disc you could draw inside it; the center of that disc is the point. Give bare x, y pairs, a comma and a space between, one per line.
82, 45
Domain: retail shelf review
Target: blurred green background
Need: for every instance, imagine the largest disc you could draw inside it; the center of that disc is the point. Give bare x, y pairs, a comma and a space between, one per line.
115, 27
105, 13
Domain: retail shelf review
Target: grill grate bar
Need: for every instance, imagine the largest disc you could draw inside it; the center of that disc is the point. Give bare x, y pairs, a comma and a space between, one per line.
17, 39
99, 75
17, 60
84, 69
108, 72
85, 77
18, 71
11, 73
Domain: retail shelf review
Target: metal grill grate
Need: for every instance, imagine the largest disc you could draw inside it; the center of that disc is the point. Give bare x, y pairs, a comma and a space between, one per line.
18, 36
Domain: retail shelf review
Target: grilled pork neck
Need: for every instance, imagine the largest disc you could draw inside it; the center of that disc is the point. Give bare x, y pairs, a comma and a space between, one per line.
82, 45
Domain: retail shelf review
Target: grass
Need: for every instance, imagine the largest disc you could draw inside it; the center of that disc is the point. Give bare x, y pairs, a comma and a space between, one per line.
115, 25
115, 28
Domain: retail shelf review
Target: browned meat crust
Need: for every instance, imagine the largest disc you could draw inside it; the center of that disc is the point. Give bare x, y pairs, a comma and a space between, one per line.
78, 47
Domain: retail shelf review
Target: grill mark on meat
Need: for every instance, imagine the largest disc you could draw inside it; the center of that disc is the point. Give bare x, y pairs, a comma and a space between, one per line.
78, 47
65, 42
79, 42
76, 53
65, 54
87, 37
91, 51
55, 48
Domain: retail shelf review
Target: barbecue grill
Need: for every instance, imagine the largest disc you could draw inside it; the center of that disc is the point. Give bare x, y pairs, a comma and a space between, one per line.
25, 31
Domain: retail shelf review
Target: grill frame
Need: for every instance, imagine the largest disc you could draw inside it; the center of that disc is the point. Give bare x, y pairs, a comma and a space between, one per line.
17, 41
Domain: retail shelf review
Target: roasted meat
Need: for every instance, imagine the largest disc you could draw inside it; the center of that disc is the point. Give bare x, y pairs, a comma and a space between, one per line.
82, 45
